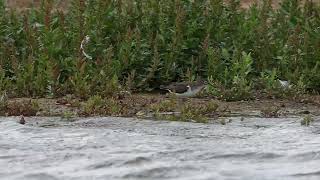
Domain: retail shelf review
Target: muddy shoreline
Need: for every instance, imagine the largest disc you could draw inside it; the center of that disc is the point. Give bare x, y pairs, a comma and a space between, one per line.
150, 106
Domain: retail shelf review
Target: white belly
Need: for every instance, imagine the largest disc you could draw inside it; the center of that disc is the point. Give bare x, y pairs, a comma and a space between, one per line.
190, 93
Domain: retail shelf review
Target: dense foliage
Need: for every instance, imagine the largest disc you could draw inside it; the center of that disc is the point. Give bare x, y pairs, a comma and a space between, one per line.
140, 44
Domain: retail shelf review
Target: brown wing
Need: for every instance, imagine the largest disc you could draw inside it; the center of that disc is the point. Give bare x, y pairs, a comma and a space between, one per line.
176, 87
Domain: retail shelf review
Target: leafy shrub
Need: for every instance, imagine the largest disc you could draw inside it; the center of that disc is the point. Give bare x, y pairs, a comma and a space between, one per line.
138, 45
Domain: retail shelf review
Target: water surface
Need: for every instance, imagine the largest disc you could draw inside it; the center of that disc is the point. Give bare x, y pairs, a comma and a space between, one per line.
119, 148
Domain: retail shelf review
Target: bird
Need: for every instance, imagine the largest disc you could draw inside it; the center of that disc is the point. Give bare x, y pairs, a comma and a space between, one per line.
22, 120
185, 89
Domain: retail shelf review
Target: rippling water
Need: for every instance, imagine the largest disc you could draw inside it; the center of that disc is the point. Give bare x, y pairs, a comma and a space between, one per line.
119, 148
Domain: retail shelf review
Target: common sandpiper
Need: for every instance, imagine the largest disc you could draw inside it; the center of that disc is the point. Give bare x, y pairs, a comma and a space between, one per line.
185, 89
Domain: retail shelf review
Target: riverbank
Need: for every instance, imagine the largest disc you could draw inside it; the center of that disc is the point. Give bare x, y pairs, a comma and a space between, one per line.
160, 107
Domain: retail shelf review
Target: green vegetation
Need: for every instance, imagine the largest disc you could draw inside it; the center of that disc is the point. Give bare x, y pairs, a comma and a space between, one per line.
96, 105
188, 111
140, 44
271, 112
307, 120
168, 105
26, 107
68, 116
